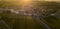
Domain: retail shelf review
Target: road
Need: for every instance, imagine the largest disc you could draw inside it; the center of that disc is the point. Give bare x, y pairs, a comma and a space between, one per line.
42, 23
37, 18
26, 23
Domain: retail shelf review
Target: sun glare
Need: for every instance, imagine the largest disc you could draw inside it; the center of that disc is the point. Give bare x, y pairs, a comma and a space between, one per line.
25, 0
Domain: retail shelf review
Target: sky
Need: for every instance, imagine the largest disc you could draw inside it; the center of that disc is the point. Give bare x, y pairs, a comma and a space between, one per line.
52, 0
44, 0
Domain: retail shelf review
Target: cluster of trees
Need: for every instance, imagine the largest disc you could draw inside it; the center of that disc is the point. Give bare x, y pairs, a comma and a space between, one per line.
47, 8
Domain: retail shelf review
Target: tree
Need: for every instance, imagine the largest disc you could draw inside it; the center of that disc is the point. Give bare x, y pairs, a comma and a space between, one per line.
46, 8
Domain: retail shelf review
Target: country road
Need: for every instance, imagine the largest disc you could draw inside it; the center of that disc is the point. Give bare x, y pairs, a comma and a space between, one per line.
38, 19
27, 23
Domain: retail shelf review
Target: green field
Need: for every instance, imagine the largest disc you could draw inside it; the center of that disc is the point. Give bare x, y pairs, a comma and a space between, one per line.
18, 21
21, 22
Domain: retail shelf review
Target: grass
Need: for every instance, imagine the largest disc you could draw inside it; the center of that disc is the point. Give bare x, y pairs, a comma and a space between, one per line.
21, 22
53, 22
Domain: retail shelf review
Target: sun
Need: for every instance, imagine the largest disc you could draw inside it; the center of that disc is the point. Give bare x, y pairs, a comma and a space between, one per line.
25, 0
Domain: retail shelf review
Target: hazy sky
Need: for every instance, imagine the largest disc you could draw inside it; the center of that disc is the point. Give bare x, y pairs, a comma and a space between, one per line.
39, 0
52, 0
